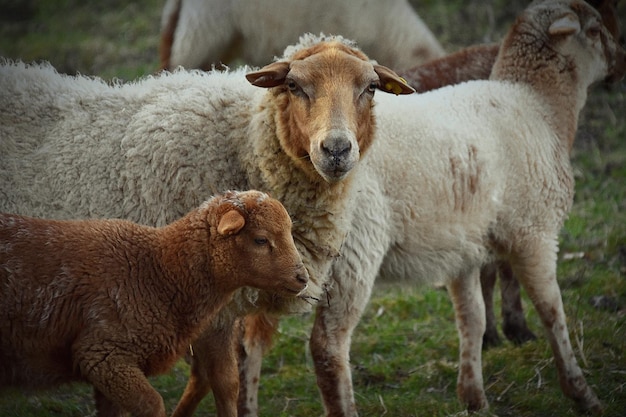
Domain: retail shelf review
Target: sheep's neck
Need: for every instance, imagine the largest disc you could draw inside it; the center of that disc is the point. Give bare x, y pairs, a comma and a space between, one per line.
528, 60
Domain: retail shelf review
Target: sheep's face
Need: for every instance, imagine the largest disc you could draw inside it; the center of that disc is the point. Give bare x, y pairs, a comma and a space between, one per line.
324, 97
256, 230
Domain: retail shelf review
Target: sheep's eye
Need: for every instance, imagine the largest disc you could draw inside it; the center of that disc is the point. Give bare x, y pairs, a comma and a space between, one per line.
292, 86
372, 87
260, 241
593, 32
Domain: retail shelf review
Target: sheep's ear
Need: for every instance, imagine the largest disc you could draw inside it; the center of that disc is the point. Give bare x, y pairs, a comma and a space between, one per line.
231, 223
270, 75
391, 82
567, 24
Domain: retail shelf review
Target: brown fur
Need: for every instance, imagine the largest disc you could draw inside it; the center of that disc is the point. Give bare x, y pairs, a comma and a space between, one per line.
111, 302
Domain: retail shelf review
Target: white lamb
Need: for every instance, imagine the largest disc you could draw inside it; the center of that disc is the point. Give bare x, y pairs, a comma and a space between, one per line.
459, 175
202, 33
75, 147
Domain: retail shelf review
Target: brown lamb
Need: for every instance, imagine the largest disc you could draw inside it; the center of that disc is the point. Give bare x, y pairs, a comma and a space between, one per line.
110, 302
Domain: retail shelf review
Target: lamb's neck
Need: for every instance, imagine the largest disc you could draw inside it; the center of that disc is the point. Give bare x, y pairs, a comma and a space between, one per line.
527, 60
188, 286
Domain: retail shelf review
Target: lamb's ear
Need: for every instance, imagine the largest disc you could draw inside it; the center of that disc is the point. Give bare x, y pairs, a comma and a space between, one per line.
231, 223
391, 82
270, 75
568, 24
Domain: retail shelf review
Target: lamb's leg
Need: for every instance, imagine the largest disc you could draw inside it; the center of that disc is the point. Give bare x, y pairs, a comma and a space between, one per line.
256, 340
536, 269
213, 365
513, 321
487, 283
470, 320
119, 387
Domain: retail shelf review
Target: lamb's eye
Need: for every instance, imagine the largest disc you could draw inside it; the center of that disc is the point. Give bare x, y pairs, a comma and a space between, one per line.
372, 87
260, 241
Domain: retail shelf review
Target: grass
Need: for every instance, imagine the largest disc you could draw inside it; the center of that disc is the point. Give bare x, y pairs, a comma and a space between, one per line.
404, 352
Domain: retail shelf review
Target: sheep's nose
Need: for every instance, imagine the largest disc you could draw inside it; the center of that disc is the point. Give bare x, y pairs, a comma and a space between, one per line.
302, 278
336, 147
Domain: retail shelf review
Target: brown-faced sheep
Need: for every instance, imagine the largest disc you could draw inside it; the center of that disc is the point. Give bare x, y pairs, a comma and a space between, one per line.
111, 302
202, 33
466, 173
158, 144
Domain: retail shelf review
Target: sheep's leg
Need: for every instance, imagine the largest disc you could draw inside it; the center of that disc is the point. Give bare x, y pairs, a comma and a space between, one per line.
513, 321
488, 276
536, 269
118, 387
257, 338
213, 365
470, 320
335, 320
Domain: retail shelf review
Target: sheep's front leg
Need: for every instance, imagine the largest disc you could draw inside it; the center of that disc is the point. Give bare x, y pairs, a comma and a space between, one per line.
335, 321
536, 269
469, 308
213, 365
121, 388
257, 339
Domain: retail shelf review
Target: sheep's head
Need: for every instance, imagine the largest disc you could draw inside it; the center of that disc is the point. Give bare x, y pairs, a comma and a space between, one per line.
324, 95
255, 231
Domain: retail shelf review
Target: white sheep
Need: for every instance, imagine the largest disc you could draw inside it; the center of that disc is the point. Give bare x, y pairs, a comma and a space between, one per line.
475, 63
75, 147
203, 33
111, 302
461, 174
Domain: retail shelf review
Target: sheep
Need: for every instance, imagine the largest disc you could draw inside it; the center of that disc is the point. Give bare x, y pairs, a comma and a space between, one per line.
155, 145
203, 33
475, 63
111, 302
463, 175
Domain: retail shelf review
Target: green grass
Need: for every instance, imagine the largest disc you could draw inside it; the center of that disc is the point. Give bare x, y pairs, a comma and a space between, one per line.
404, 352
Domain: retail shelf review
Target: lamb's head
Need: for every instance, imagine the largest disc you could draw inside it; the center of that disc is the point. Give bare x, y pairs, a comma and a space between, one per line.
323, 93
573, 33
255, 231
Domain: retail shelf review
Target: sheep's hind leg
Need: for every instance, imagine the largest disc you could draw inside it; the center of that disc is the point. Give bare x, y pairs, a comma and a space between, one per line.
536, 269
469, 308
513, 321
213, 365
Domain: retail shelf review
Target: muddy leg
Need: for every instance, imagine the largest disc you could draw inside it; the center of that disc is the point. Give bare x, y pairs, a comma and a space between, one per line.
536, 269
469, 310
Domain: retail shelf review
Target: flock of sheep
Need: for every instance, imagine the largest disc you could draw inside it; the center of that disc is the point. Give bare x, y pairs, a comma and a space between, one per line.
443, 187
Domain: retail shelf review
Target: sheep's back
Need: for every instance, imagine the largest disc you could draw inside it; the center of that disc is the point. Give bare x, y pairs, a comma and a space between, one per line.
484, 163
148, 151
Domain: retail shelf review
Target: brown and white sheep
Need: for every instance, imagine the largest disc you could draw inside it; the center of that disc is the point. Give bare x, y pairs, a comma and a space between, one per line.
111, 302
158, 144
203, 33
475, 63
463, 174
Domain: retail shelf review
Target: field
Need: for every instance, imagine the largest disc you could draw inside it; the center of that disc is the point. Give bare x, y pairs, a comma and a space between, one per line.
404, 352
